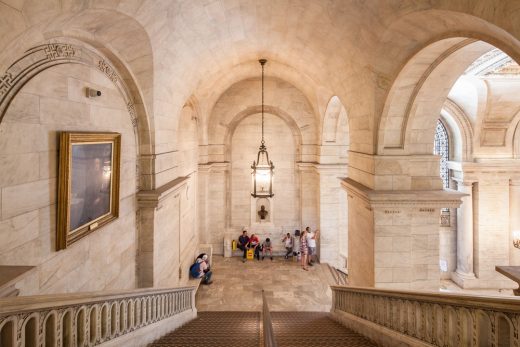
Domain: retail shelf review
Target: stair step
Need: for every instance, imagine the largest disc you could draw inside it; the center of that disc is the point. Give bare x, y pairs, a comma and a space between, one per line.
291, 329
300, 329
218, 329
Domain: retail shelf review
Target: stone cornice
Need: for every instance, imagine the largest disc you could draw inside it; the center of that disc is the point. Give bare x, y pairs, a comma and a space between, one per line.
153, 198
409, 198
501, 168
322, 168
212, 166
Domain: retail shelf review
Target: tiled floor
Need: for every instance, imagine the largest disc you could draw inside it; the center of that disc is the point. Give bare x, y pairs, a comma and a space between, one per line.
238, 286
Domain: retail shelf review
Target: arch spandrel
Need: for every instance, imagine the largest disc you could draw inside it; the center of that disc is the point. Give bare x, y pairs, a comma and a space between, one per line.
70, 51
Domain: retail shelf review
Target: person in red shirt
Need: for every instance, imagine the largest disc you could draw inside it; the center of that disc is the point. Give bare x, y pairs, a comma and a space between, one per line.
254, 242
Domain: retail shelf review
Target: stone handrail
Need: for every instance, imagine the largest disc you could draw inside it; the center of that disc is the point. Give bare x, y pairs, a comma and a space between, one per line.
411, 318
87, 319
269, 338
340, 277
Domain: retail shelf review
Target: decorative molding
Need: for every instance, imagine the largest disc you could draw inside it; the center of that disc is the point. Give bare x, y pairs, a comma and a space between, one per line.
6, 82
108, 70
215, 167
133, 115
153, 198
42, 57
465, 127
338, 168
487, 62
396, 199
445, 218
59, 50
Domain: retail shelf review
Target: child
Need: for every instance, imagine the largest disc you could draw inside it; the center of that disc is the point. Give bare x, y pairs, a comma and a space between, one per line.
266, 246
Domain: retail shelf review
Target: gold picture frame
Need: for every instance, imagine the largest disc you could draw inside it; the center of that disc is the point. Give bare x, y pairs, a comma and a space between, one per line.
88, 184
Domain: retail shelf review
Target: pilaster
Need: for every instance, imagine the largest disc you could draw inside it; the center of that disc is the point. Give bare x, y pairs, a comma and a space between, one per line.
398, 233
150, 203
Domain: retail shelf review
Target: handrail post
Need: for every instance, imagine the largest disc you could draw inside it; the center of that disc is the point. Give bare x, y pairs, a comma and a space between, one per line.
269, 339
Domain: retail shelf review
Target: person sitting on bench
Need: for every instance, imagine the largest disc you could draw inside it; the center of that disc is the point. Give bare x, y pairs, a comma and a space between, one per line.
254, 242
267, 247
197, 270
243, 243
204, 257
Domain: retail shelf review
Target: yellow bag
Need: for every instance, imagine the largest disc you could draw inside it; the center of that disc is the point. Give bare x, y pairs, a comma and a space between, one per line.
234, 245
250, 254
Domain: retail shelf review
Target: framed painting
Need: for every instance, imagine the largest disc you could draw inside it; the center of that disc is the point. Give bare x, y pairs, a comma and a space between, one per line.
88, 184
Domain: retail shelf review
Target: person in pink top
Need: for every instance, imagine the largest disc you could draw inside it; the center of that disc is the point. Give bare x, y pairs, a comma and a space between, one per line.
254, 242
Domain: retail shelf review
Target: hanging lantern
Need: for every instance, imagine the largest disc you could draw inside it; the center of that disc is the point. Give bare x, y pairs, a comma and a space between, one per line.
262, 168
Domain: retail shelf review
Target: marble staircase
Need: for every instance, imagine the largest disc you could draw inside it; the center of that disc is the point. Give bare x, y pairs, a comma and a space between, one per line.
229, 329
296, 329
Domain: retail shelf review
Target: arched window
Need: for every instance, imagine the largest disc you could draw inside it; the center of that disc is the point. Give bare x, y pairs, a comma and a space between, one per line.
441, 147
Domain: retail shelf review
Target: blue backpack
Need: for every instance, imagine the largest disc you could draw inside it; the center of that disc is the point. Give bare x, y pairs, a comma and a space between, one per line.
195, 270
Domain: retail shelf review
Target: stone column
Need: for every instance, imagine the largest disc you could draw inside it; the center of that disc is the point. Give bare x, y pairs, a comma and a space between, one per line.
464, 271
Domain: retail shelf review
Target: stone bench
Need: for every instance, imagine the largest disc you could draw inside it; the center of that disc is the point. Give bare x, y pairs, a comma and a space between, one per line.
277, 252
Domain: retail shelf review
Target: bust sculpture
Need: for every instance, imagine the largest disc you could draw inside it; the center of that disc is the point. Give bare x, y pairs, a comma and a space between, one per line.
263, 212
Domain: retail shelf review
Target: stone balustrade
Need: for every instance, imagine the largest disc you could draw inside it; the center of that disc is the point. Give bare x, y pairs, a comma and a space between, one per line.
90, 319
405, 318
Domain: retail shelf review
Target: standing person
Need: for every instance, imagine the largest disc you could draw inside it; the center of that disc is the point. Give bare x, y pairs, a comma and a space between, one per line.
266, 246
254, 242
288, 241
243, 243
311, 244
304, 251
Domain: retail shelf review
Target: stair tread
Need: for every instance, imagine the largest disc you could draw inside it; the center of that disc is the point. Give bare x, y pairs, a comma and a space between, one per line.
230, 328
313, 329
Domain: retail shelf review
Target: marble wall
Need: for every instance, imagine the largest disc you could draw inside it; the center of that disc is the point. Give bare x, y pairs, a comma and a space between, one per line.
54, 101
285, 212
234, 135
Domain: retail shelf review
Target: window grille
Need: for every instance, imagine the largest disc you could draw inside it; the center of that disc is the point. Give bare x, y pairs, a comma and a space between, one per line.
442, 147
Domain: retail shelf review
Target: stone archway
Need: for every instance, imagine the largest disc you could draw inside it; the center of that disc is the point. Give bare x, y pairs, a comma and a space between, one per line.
71, 51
